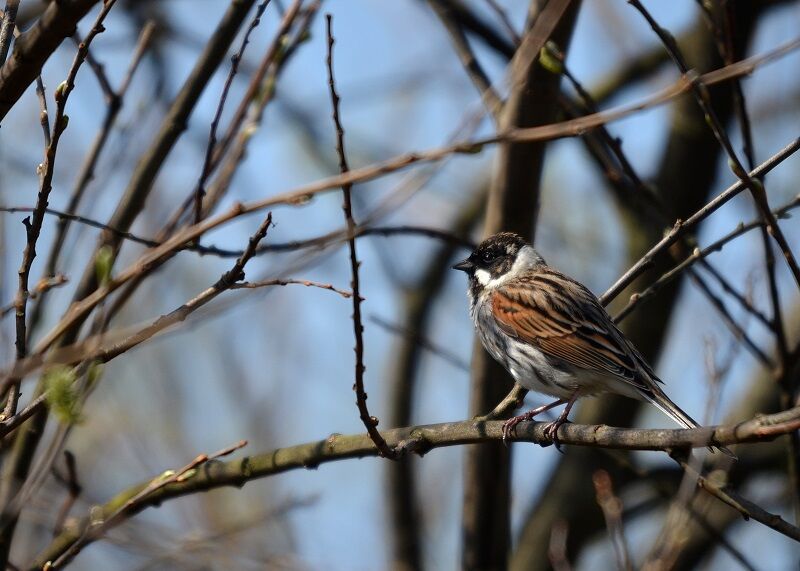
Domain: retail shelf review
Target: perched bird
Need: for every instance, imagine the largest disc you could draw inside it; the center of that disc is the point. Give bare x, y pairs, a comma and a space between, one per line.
552, 334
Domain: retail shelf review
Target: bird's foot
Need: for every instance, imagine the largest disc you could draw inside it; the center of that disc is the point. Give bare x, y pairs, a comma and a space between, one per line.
510, 425
551, 431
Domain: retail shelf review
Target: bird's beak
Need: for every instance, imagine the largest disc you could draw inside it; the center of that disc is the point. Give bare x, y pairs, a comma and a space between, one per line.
464, 265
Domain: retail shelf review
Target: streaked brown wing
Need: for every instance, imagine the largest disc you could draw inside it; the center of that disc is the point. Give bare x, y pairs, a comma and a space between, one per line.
564, 319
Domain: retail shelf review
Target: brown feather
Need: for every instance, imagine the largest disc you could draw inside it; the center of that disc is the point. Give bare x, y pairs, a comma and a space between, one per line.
565, 320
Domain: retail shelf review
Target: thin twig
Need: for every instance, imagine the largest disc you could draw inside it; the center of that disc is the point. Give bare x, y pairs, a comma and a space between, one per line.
370, 422
317, 242
700, 91
44, 285
680, 226
74, 490
200, 190
288, 281
747, 508
33, 227
698, 253
737, 330
87, 171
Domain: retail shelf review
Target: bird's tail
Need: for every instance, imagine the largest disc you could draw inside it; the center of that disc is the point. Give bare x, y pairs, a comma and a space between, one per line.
665, 405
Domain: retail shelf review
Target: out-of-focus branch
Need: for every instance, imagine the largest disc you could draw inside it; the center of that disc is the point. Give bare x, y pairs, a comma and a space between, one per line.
141, 183
747, 508
416, 440
200, 191
471, 65
35, 46
469, 21
611, 506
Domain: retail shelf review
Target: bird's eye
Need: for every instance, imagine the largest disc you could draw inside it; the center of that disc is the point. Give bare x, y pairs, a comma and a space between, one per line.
487, 257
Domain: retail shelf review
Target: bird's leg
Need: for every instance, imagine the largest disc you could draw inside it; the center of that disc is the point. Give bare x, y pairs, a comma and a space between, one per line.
551, 430
511, 423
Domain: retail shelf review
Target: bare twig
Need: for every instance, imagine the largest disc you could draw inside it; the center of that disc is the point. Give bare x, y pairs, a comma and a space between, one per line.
681, 226
87, 170
74, 490
698, 253
200, 190
33, 226
285, 282
317, 242
747, 508
43, 285
370, 422
700, 92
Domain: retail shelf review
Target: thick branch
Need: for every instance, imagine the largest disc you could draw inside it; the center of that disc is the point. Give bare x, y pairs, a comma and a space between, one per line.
417, 440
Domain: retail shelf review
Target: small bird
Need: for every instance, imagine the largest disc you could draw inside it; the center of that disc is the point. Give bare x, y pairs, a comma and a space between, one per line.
552, 334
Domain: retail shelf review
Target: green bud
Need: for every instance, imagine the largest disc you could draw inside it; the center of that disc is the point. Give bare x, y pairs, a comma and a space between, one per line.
61, 90
103, 261
62, 397
551, 58
472, 149
95, 372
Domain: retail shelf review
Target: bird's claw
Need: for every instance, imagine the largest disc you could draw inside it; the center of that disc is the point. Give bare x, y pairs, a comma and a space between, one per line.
508, 428
551, 432
510, 425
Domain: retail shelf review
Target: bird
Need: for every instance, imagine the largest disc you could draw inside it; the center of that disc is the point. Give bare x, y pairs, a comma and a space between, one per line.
552, 334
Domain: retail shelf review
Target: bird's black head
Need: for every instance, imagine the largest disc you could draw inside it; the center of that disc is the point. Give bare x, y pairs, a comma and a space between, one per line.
494, 257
